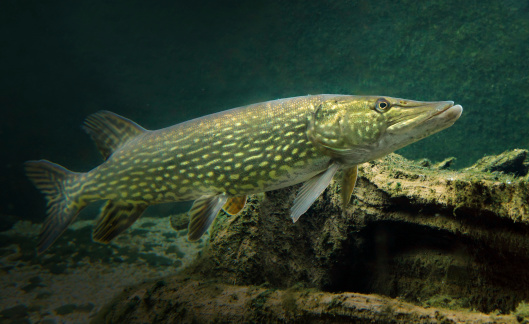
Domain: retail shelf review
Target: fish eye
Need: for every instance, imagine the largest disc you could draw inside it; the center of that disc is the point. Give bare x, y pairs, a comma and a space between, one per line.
382, 105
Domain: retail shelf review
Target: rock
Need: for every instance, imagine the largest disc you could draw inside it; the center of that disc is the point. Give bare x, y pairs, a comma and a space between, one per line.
16, 314
179, 221
66, 309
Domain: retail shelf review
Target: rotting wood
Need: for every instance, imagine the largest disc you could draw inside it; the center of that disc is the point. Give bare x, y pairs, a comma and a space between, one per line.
413, 231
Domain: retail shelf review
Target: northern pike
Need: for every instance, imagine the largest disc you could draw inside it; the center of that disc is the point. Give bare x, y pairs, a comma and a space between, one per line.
219, 159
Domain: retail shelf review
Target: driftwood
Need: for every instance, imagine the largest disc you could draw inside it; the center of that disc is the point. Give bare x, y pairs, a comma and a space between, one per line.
182, 300
413, 230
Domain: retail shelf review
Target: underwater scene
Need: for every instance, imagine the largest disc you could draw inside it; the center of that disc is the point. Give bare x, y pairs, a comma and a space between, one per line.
264, 161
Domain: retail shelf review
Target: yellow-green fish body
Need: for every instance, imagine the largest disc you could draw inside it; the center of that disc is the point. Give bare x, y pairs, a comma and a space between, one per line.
219, 159
240, 151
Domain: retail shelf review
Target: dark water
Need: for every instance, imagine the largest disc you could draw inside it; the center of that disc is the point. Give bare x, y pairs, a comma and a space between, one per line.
163, 62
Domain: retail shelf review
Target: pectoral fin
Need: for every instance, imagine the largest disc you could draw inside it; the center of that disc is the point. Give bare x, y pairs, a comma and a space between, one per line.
348, 184
202, 214
116, 216
311, 190
234, 205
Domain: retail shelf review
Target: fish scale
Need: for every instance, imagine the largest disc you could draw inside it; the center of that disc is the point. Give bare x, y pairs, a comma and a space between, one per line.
220, 159
238, 151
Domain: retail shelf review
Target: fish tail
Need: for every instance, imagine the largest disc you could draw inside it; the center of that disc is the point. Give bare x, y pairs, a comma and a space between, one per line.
62, 190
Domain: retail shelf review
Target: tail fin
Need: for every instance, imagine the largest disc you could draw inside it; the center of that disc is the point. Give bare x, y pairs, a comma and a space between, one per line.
56, 183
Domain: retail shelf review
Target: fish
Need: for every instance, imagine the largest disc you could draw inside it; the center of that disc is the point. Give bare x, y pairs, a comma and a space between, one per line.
220, 159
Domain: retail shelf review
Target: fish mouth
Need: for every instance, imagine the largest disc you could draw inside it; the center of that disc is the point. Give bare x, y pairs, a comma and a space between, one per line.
448, 111
438, 113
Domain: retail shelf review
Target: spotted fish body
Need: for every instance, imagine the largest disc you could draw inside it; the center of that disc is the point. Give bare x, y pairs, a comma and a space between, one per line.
219, 159
239, 152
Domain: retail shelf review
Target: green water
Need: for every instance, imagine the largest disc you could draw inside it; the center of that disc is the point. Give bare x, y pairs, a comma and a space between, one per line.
164, 62
160, 63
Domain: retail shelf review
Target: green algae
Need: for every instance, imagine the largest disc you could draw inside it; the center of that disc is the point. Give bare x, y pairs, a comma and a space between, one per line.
448, 302
258, 306
522, 312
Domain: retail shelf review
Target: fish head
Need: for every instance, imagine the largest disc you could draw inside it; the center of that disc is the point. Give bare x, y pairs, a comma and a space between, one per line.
357, 129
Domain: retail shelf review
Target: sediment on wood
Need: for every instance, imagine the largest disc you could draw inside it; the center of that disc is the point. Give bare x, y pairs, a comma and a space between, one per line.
415, 231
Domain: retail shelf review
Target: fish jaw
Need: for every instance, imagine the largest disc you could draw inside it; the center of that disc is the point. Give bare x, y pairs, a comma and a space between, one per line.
442, 117
355, 130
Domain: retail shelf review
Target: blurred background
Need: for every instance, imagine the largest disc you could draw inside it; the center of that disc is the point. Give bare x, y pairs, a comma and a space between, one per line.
163, 62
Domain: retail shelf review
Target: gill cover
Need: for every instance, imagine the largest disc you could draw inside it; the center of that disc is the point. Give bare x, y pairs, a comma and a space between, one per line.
338, 126
325, 125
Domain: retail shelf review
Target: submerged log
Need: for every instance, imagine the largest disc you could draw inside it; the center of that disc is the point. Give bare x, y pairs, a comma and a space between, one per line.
430, 236
184, 300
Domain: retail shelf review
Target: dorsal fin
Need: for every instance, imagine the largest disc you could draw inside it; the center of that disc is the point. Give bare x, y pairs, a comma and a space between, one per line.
110, 131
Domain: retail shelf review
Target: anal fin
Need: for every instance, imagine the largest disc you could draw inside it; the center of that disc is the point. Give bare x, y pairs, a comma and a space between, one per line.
116, 217
348, 184
202, 214
234, 205
311, 190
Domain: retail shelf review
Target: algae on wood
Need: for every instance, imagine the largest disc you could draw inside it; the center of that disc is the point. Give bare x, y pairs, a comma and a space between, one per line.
433, 237
185, 300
